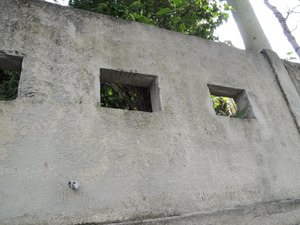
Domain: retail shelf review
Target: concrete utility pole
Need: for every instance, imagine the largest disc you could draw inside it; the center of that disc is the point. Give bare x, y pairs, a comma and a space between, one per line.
253, 35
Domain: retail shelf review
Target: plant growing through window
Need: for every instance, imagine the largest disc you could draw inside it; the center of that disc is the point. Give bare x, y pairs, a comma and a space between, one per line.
231, 102
129, 91
225, 106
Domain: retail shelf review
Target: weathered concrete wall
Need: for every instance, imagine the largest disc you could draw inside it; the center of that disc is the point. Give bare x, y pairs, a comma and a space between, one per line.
294, 72
281, 212
179, 160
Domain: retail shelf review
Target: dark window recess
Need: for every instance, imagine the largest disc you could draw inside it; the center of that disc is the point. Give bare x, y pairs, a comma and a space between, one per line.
129, 91
230, 102
10, 71
124, 96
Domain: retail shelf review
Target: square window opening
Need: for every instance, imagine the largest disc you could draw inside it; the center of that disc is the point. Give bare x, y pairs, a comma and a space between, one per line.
230, 102
10, 73
129, 91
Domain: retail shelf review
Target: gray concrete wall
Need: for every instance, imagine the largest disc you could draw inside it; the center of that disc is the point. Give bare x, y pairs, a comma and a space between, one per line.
273, 213
130, 165
294, 72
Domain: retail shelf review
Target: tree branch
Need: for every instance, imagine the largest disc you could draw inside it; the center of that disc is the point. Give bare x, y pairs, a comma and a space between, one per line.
294, 29
291, 11
284, 26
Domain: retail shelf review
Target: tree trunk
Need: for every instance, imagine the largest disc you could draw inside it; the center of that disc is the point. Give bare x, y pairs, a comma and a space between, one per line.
253, 35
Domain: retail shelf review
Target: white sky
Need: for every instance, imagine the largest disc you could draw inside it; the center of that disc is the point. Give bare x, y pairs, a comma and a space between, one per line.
268, 21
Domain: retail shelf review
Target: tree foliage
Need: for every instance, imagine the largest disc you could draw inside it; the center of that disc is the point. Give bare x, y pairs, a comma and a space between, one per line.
225, 106
125, 97
9, 82
193, 17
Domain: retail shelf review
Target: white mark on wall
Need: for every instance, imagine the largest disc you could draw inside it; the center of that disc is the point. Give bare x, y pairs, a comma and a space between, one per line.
71, 29
74, 184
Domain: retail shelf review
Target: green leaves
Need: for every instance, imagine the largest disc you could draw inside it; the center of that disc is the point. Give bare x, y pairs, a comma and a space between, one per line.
215, 14
185, 16
290, 56
182, 5
176, 2
182, 27
175, 20
136, 4
225, 106
102, 6
163, 11
227, 7
241, 113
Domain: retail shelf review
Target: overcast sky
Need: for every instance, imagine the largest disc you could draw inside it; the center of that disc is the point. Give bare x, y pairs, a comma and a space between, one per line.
268, 21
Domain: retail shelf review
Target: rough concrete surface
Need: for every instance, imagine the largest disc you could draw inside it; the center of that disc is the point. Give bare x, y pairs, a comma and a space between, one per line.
286, 84
294, 72
280, 212
178, 160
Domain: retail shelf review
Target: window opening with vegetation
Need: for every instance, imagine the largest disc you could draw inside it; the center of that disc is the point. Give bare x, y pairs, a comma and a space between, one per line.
10, 71
9, 83
129, 91
230, 102
125, 97
224, 106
